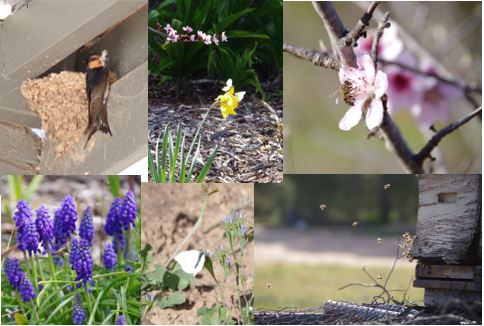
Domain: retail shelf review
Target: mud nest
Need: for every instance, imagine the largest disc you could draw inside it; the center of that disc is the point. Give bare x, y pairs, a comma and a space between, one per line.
60, 99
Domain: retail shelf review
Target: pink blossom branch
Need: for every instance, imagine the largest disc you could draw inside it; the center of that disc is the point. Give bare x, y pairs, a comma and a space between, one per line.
426, 151
466, 87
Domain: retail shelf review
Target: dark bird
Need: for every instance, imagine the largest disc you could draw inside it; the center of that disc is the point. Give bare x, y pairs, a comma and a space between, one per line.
97, 87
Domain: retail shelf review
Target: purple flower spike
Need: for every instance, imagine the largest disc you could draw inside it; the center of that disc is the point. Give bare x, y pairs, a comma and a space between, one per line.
22, 214
44, 226
65, 221
86, 229
113, 220
14, 274
128, 211
30, 238
120, 320
109, 258
81, 260
78, 313
26, 289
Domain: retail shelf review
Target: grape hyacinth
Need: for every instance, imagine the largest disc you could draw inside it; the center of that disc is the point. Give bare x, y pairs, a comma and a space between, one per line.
86, 229
13, 271
26, 289
44, 226
65, 221
120, 320
114, 223
22, 214
78, 313
128, 210
81, 260
30, 237
109, 258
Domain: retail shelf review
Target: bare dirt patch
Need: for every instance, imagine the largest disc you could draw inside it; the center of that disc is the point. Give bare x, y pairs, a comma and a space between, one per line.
169, 212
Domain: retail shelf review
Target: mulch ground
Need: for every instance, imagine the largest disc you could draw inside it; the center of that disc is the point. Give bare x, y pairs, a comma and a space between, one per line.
249, 143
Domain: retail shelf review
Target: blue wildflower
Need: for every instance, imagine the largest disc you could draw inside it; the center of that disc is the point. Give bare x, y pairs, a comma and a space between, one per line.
228, 261
120, 320
13, 271
78, 312
109, 258
44, 226
26, 289
65, 221
128, 268
81, 260
86, 229
228, 219
128, 210
243, 230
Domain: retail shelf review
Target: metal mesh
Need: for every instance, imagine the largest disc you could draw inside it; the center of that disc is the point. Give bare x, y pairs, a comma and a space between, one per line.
339, 312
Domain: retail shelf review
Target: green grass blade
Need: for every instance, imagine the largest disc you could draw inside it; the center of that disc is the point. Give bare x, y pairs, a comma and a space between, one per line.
206, 168
96, 304
114, 184
194, 158
183, 162
164, 151
33, 186
153, 171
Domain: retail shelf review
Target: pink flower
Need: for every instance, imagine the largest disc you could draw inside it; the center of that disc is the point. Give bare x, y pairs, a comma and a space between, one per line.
224, 37
404, 87
173, 35
362, 89
187, 29
389, 47
215, 39
434, 104
207, 39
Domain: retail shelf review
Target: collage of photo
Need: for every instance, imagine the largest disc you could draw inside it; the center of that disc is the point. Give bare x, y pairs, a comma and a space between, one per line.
240, 162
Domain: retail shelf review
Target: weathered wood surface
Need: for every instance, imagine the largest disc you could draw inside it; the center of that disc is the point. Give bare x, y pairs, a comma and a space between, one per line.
463, 285
445, 298
460, 272
448, 221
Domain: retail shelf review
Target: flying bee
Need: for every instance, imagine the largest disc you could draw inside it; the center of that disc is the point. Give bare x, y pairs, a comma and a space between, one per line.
322, 206
268, 285
97, 88
379, 240
386, 187
378, 277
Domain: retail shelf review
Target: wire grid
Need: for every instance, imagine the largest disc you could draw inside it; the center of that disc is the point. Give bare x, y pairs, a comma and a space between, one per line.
347, 313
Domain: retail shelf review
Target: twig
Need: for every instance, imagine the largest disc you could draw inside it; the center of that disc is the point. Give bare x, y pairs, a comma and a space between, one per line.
268, 107
351, 38
378, 34
317, 58
435, 140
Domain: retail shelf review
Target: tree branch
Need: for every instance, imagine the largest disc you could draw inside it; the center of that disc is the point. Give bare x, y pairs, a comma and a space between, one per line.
435, 140
336, 30
351, 38
317, 58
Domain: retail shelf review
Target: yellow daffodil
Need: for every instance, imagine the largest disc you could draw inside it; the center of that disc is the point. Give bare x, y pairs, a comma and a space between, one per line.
229, 101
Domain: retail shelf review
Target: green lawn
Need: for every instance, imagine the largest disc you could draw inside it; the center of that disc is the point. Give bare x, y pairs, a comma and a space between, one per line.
285, 285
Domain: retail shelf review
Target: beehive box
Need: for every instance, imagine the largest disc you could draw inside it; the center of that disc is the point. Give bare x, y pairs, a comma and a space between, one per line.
448, 238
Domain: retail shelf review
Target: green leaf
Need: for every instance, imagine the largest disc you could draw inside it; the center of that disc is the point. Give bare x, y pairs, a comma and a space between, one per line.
158, 275
171, 280
173, 299
114, 184
184, 279
209, 266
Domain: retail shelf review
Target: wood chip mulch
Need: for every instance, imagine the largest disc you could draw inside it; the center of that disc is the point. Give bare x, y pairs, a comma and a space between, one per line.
249, 143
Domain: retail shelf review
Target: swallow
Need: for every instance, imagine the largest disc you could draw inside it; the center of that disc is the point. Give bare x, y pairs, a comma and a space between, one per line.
97, 89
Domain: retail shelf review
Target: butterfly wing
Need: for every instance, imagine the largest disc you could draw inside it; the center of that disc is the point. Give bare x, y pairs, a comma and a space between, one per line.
191, 261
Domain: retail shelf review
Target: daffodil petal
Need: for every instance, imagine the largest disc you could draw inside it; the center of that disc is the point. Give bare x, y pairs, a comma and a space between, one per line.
240, 95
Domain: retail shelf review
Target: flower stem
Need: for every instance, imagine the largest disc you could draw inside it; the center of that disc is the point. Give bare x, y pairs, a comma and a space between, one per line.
88, 298
52, 267
34, 269
39, 267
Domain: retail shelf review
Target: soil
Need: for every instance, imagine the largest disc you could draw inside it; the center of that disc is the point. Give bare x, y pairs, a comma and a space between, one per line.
249, 143
169, 213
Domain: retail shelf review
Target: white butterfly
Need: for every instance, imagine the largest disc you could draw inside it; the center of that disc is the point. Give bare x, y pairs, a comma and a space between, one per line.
191, 261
